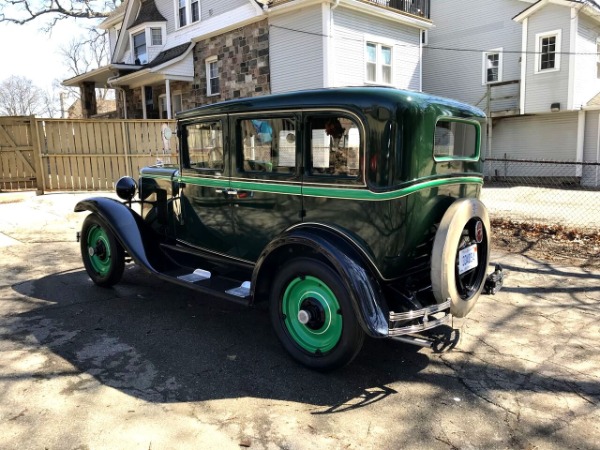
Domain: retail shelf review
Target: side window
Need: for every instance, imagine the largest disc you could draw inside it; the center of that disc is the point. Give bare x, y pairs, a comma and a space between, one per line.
455, 139
334, 146
267, 144
205, 145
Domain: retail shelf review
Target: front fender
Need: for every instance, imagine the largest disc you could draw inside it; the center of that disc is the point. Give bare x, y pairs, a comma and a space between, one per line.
366, 295
136, 237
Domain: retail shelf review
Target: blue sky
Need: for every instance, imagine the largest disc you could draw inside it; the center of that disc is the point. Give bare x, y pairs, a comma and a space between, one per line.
26, 51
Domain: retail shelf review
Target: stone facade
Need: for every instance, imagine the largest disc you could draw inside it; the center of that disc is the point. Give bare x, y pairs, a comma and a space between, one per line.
243, 63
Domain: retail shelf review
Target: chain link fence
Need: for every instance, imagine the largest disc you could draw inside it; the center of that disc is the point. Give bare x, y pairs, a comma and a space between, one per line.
554, 193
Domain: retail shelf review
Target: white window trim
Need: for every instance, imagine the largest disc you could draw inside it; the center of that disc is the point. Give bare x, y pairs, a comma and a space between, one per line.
146, 28
378, 64
173, 95
207, 63
500, 53
162, 36
188, 14
538, 50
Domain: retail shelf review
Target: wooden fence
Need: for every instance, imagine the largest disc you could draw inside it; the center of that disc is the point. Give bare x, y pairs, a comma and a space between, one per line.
80, 155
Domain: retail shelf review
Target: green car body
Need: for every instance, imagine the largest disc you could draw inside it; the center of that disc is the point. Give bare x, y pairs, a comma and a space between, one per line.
326, 203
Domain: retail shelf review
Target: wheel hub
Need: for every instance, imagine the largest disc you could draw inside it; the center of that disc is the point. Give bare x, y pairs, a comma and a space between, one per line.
311, 314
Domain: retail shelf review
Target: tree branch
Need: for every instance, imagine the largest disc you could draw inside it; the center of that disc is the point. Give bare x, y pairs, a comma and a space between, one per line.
21, 12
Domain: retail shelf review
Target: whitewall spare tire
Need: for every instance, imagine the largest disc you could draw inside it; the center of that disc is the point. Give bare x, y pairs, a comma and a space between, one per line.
460, 256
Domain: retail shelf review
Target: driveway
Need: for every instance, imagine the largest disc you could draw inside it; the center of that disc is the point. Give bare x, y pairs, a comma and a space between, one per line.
148, 365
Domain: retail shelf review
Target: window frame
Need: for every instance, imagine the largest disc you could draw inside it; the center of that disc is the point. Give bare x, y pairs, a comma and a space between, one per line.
184, 143
152, 30
485, 68
207, 65
446, 158
239, 169
188, 12
557, 34
327, 178
134, 47
379, 63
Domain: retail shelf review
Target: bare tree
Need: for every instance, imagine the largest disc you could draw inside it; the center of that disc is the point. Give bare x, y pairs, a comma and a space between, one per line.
23, 11
20, 97
83, 54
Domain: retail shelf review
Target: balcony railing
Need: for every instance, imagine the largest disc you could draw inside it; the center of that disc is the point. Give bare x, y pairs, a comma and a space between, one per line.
419, 8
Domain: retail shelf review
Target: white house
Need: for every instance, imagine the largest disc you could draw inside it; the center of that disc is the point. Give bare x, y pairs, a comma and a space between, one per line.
534, 66
170, 55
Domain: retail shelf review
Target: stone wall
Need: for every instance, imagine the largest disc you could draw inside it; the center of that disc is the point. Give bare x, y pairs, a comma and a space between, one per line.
243, 63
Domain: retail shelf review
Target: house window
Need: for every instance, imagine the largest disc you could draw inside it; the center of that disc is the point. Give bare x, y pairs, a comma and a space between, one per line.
212, 76
156, 34
378, 63
182, 13
492, 66
188, 10
139, 48
195, 11
547, 51
177, 103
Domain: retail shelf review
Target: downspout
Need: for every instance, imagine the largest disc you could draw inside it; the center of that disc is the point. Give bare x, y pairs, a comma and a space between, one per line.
122, 91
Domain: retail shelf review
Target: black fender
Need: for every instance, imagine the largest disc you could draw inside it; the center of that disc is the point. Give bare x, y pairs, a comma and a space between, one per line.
347, 258
139, 240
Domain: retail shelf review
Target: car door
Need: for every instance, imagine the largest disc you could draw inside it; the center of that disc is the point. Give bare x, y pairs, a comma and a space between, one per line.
206, 220
266, 180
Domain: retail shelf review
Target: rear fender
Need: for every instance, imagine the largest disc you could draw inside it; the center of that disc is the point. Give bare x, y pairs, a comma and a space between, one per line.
343, 255
136, 237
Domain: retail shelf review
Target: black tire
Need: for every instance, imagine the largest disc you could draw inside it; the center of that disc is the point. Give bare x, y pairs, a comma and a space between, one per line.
457, 231
330, 339
103, 256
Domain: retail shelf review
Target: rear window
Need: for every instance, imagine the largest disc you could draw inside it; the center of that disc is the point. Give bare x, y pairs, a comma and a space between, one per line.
456, 139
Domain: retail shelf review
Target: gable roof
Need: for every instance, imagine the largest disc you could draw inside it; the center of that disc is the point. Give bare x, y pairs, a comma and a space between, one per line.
589, 7
148, 13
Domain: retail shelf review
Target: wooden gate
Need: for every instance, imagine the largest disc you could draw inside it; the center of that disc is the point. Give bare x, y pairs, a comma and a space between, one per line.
17, 153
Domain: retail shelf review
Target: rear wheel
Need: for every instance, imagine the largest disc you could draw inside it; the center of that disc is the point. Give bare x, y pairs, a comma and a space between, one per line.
103, 257
460, 255
313, 316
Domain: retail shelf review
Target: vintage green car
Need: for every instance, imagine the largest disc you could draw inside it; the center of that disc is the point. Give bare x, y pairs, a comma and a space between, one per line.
352, 211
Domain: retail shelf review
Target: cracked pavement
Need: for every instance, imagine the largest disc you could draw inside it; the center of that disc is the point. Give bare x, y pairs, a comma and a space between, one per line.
150, 365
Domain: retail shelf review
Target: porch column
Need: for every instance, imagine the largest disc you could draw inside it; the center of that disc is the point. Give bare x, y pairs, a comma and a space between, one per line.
168, 94
88, 99
144, 112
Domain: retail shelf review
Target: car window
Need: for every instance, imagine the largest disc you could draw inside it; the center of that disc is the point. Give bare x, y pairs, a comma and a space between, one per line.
205, 145
455, 139
334, 146
267, 144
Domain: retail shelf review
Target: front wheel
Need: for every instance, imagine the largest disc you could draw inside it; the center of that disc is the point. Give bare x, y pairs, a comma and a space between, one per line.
103, 257
312, 315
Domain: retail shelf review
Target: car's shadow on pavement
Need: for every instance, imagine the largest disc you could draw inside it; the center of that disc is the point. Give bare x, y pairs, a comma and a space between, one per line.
163, 343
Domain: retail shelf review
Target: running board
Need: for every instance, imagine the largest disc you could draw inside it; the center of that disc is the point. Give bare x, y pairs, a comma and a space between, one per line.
205, 282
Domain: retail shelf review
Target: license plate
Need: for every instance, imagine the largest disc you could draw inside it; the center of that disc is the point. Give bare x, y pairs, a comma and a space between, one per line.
467, 259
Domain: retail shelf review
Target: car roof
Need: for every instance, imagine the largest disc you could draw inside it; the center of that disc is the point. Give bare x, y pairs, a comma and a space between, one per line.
365, 98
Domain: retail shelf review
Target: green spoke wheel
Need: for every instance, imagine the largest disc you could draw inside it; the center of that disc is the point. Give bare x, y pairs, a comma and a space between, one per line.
103, 257
313, 315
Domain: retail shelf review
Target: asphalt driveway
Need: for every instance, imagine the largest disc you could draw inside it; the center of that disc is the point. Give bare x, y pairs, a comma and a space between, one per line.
148, 365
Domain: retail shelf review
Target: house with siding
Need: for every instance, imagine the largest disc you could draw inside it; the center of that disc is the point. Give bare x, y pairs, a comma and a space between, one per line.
173, 55
534, 67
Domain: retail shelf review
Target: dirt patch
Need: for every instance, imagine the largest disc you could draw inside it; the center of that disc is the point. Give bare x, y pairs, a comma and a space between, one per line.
552, 243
